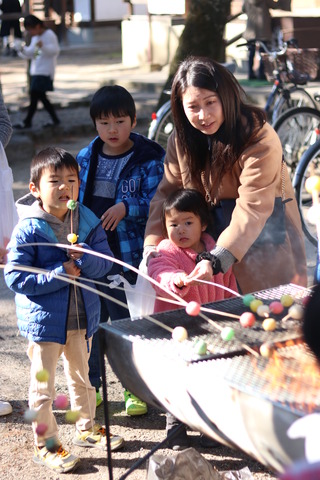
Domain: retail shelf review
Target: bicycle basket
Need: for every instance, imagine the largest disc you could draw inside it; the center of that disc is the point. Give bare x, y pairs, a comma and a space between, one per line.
304, 61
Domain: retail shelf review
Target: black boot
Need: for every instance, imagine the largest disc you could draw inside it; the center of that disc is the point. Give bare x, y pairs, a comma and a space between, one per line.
180, 440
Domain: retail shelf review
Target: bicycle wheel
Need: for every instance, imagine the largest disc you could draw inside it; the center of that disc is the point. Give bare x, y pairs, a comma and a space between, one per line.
161, 127
297, 128
292, 98
308, 166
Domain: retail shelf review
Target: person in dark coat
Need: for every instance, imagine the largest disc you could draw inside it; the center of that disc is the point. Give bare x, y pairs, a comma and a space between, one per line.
9, 26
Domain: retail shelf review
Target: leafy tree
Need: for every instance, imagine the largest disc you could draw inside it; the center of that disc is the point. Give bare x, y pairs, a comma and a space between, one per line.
202, 35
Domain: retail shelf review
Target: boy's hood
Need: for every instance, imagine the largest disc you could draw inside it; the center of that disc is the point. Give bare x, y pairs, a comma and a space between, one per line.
29, 207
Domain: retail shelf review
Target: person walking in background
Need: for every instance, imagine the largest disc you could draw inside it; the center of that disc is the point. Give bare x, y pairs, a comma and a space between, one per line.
5, 135
224, 147
258, 28
10, 27
43, 52
119, 172
53, 315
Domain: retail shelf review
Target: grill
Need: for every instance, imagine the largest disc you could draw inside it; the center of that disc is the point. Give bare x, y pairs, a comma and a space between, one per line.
230, 394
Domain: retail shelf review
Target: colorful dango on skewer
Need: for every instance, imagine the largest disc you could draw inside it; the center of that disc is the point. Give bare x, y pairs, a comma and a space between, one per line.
72, 237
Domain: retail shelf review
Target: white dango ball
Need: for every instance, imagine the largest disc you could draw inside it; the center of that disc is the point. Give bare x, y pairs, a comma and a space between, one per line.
296, 312
313, 214
179, 334
263, 310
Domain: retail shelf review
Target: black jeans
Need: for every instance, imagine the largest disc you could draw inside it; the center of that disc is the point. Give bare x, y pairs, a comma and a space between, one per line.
35, 96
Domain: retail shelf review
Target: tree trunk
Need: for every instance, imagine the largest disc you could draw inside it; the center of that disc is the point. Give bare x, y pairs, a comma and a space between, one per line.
202, 35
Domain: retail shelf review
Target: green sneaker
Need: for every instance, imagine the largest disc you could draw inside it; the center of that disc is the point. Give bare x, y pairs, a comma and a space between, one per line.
134, 406
96, 438
60, 461
98, 398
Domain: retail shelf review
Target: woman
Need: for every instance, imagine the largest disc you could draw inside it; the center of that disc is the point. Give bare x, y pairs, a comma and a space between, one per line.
43, 52
226, 149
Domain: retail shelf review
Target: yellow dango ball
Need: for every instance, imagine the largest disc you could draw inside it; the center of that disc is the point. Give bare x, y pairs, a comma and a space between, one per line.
42, 375
72, 238
269, 324
313, 184
72, 416
286, 300
179, 334
255, 304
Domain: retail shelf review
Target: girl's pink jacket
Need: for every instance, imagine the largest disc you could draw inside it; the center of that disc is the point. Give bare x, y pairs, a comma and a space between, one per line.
172, 260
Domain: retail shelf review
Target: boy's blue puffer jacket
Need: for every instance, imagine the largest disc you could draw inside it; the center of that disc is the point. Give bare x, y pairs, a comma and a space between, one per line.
42, 300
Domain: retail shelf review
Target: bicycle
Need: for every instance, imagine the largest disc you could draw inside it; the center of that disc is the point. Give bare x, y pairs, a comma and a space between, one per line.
298, 128
309, 165
280, 98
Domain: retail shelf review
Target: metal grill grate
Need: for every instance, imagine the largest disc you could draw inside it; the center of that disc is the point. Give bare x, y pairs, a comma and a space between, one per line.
198, 328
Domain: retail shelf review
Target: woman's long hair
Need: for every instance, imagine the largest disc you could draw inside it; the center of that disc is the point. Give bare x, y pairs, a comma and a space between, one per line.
241, 121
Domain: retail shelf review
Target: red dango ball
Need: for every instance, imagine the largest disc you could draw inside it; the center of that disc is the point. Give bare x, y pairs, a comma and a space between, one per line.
41, 429
276, 307
247, 319
193, 309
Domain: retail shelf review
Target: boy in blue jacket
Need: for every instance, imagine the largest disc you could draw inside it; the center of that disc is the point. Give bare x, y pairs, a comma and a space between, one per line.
56, 317
120, 171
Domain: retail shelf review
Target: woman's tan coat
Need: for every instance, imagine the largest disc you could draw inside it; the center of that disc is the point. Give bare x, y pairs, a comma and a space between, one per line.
254, 182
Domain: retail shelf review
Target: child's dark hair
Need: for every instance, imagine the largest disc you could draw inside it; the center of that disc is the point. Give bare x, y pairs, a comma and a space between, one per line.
31, 21
112, 100
53, 158
186, 200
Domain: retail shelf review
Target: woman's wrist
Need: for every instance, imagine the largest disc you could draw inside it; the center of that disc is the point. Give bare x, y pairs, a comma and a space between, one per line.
215, 262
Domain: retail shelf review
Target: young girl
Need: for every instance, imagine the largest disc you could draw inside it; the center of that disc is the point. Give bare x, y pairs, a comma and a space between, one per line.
185, 217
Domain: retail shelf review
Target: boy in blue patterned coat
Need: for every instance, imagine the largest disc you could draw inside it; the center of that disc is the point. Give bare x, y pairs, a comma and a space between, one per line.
57, 318
120, 171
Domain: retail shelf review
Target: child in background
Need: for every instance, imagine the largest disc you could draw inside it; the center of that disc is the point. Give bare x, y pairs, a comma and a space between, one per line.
120, 171
42, 52
185, 217
55, 316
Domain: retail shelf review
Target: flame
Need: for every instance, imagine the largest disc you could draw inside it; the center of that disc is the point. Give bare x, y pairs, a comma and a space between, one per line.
291, 376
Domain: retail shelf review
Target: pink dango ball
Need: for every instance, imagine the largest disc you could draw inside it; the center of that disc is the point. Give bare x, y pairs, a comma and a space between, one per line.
247, 319
41, 429
61, 402
193, 309
276, 307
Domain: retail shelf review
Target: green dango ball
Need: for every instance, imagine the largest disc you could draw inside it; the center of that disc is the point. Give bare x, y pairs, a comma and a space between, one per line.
200, 347
227, 334
71, 204
247, 299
